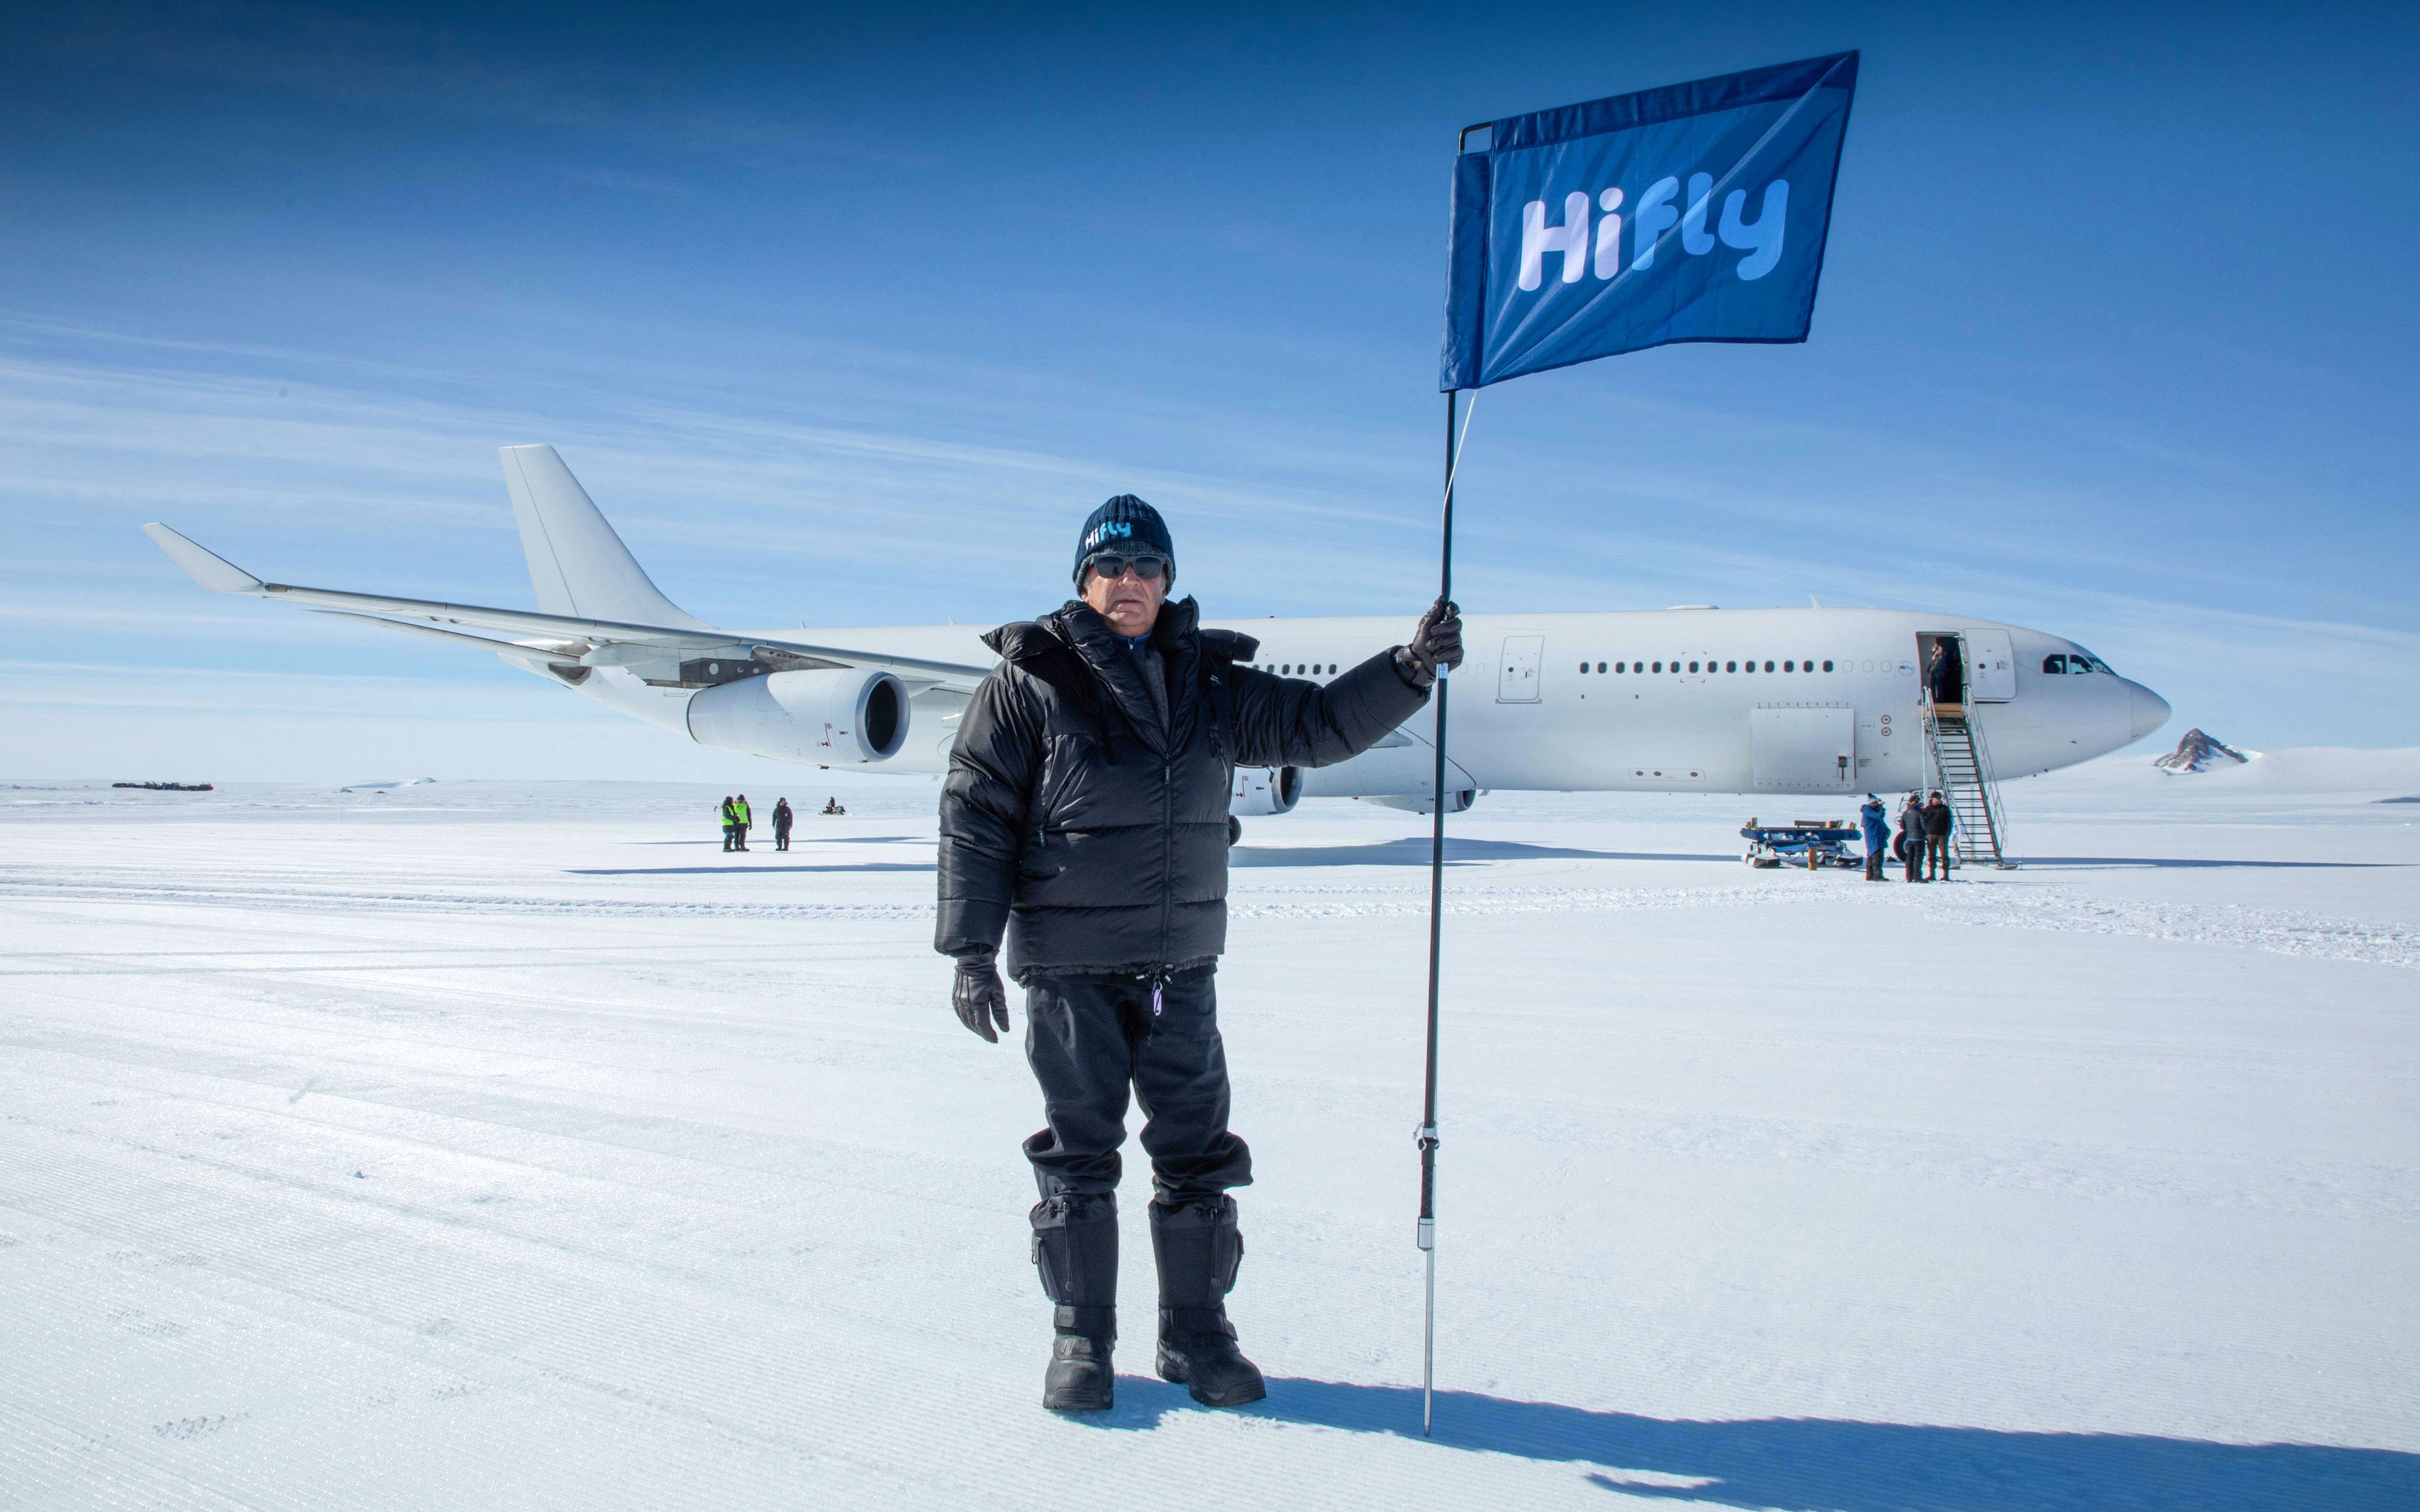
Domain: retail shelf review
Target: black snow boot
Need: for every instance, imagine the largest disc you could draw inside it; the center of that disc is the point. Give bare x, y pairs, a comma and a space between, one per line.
1076, 1249
1198, 1247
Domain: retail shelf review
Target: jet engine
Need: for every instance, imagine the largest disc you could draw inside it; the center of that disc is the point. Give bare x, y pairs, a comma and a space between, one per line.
1265, 790
829, 716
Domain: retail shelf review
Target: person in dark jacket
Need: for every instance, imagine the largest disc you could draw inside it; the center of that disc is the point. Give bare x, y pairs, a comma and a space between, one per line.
1911, 838
1943, 677
783, 819
730, 823
1938, 821
1084, 820
1877, 836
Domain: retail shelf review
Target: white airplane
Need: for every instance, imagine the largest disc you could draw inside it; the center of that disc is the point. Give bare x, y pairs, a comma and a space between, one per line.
1696, 698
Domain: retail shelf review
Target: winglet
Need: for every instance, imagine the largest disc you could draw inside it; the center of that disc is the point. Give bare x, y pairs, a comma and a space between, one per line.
212, 571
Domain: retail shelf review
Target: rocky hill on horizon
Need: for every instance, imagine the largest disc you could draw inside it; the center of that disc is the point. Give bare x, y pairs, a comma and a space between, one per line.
2198, 752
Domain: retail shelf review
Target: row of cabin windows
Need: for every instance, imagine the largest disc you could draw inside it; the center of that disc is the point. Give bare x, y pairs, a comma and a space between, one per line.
1309, 669
1791, 666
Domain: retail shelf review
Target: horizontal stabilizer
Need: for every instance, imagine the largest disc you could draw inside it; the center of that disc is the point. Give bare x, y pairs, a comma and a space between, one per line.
212, 571
519, 653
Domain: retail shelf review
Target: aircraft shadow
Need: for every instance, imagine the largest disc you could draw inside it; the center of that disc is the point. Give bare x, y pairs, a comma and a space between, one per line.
1413, 851
804, 840
1822, 1465
743, 869
2195, 863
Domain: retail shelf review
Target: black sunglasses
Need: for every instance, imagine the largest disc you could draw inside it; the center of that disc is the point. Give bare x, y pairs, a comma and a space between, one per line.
1146, 568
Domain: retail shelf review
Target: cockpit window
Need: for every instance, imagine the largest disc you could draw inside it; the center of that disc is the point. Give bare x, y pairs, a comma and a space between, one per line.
2076, 662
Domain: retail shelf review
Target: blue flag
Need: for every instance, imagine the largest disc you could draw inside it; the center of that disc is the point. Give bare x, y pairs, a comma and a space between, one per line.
1695, 213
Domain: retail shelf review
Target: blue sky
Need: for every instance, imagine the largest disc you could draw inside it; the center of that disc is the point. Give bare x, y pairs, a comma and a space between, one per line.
846, 319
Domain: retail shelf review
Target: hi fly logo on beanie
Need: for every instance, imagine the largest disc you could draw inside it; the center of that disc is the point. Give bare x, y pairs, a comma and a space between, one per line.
1108, 530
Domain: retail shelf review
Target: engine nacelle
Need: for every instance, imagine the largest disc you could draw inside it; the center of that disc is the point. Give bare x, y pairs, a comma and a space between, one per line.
832, 717
1457, 800
1265, 790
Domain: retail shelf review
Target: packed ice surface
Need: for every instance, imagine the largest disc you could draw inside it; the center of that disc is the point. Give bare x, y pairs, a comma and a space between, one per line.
483, 1146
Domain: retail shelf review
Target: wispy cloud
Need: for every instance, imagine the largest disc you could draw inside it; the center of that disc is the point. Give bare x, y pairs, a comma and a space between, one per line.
414, 61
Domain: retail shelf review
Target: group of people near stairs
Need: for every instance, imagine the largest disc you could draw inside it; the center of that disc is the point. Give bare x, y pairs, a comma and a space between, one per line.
1922, 843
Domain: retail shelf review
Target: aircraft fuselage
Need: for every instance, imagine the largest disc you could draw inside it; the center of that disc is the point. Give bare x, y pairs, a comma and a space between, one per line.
1704, 700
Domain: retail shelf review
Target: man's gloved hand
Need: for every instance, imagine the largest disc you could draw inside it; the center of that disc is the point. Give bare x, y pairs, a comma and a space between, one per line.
1436, 642
978, 995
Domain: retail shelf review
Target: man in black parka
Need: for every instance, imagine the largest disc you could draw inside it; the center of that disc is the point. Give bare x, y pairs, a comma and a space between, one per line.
1085, 819
1940, 820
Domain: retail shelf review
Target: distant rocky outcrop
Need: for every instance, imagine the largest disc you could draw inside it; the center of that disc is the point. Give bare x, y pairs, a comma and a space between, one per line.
2198, 752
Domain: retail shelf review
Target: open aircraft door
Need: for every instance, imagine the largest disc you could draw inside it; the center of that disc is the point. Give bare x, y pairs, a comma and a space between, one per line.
1991, 667
1802, 747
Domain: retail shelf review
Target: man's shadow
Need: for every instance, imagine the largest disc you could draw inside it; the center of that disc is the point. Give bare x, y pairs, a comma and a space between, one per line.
1821, 1465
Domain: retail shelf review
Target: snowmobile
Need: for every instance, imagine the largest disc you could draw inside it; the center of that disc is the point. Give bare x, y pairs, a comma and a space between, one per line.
1809, 842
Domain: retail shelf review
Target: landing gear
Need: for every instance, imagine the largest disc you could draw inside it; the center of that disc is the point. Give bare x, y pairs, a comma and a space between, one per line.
1234, 830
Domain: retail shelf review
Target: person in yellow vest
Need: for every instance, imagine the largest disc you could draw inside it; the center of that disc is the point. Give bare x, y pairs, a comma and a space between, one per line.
741, 820
730, 824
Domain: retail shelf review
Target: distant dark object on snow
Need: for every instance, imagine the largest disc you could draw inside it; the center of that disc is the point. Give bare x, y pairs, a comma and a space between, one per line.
2198, 752
2414, 798
167, 787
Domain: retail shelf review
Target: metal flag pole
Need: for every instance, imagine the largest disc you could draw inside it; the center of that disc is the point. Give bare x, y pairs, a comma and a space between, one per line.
1488, 341
1427, 1134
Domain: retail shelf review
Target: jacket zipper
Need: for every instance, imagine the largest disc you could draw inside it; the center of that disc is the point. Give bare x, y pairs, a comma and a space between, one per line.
1166, 874
1166, 850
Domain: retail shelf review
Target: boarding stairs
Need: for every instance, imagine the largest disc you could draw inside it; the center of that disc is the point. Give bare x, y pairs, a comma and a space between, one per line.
1962, 767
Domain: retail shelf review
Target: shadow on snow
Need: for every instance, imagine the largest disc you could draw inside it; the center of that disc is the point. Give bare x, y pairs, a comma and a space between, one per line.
801, 840
744, 869
1805, 1464
2198, 863
1413, 851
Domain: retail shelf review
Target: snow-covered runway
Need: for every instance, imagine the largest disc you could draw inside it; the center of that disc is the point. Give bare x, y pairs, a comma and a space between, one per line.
501, 1146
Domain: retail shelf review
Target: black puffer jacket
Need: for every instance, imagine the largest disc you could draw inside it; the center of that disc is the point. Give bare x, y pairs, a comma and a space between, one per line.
1093, 831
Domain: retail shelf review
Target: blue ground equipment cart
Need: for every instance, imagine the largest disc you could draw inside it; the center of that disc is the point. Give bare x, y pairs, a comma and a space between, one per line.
1807, 843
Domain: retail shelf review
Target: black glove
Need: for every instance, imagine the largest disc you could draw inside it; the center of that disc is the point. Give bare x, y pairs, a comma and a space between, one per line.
978, 995
1436, 642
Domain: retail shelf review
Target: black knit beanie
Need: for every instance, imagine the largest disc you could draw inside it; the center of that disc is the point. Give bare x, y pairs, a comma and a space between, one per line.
1125, 526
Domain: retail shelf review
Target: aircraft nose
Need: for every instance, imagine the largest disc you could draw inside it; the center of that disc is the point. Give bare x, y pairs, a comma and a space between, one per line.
2150, 711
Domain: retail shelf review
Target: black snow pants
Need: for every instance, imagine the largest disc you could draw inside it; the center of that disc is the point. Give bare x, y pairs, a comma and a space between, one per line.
1091, 1038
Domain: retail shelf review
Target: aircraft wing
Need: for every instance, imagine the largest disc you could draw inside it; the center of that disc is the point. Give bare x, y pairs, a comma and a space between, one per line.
536, 638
